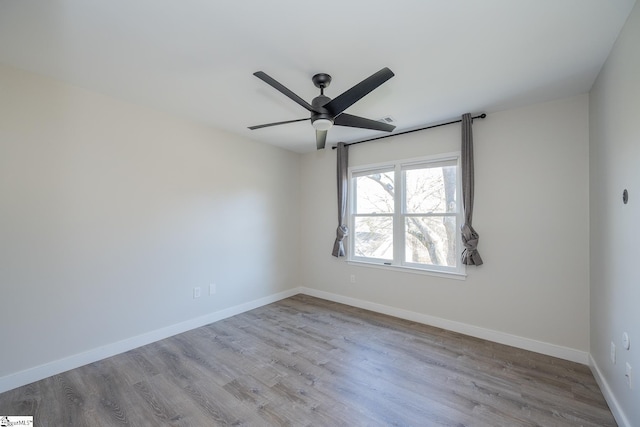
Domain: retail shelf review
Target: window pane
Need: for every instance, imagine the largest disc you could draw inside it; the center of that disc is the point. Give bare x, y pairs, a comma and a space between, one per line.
431, 240
373, 237
430, 190
374, 193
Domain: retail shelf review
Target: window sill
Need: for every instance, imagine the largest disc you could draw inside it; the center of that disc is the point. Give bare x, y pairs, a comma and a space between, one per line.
403, 269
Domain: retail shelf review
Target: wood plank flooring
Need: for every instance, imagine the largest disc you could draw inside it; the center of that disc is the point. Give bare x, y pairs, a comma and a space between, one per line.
304, 361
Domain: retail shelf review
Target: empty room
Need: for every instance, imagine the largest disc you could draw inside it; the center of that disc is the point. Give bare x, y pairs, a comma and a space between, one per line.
346, 213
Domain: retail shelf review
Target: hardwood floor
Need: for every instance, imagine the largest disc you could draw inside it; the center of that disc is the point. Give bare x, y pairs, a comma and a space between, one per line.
305, 361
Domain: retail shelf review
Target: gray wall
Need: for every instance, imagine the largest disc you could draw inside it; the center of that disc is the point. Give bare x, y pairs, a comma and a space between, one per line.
615, 165
111, 214
531, 211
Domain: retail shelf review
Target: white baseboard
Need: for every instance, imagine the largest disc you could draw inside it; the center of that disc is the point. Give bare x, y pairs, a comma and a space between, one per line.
37, 373
565, 353
615, 407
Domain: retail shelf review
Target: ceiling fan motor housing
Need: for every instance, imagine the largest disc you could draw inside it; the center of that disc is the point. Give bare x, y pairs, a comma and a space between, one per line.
320, 112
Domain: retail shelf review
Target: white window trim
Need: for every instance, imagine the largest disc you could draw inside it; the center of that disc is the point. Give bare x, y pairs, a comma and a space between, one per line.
397, 264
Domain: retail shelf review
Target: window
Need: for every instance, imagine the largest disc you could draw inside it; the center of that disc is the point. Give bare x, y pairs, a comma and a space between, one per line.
407, 214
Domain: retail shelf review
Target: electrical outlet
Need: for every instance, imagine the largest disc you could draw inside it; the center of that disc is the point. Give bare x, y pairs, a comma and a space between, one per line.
212, 288
196, 292
613, 353
353, 278
628, 376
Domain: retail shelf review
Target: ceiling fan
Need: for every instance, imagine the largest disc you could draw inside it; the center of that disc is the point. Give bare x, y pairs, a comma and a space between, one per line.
326, 112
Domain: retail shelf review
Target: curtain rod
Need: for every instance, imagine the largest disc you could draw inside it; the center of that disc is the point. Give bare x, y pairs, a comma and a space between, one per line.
481, 116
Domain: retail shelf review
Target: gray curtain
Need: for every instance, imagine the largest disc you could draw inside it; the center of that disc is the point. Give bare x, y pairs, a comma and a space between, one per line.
470, 255
343, 185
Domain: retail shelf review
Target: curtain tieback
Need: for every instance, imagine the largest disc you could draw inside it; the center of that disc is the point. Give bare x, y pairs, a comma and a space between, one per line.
469, 237
342, 232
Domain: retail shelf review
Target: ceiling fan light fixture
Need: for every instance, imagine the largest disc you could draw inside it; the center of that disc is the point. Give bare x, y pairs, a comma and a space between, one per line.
322, 124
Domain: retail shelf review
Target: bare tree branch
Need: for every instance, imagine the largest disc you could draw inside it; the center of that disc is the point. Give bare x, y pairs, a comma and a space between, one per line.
423, 236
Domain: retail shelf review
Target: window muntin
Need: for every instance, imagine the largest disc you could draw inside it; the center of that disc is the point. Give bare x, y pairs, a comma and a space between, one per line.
407, 214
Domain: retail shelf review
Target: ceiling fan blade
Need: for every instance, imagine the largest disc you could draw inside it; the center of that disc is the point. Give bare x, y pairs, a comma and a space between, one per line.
276, 124
345, 119
280, 87
321, 139
353, 95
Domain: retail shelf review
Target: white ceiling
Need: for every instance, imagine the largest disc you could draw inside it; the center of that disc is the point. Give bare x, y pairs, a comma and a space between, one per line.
195, 58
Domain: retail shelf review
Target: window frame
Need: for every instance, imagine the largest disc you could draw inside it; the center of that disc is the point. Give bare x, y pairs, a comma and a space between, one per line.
399, 215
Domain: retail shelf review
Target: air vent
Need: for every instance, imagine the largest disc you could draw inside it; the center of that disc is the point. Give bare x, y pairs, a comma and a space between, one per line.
387, 119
